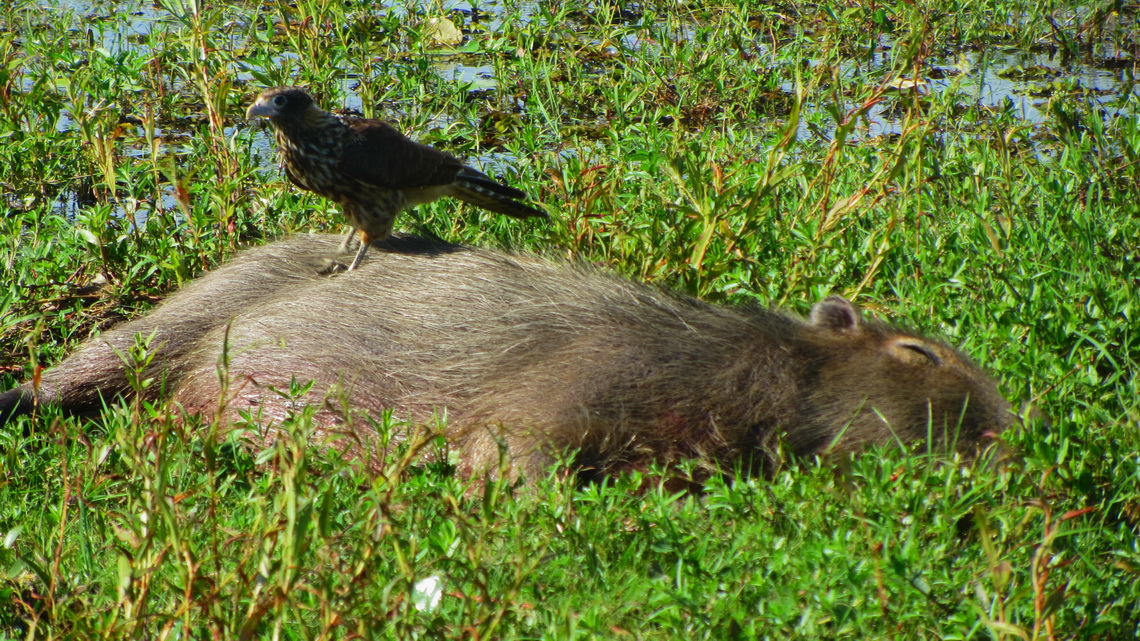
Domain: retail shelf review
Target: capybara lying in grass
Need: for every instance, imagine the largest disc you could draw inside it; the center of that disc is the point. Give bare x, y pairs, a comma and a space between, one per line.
542, 357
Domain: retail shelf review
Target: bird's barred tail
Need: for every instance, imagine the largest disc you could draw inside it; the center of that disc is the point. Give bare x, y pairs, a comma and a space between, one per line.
480, 190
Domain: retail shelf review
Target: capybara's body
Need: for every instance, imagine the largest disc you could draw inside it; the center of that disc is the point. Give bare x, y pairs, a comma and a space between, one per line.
542, 357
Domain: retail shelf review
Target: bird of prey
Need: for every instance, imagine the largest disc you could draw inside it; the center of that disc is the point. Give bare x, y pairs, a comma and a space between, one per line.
369, 168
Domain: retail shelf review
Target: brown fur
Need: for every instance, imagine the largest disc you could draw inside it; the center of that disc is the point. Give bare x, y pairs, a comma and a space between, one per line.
540, 356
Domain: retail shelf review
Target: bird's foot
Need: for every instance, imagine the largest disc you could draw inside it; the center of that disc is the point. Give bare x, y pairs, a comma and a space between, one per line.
332, 266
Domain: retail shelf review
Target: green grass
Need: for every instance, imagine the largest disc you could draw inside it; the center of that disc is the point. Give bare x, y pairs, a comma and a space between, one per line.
726, 150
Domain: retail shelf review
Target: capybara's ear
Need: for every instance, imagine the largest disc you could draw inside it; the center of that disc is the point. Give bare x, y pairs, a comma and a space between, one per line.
835, 313
913, 351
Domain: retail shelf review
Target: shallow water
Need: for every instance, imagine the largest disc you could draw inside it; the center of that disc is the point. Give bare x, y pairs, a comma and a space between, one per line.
1015, 82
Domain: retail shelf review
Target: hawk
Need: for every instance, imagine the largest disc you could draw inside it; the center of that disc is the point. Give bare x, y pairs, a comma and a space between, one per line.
370, 169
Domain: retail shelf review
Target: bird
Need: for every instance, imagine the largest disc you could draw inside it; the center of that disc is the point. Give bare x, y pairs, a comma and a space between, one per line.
370, 169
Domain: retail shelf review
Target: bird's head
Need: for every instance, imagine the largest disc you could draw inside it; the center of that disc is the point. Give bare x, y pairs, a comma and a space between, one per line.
281, 105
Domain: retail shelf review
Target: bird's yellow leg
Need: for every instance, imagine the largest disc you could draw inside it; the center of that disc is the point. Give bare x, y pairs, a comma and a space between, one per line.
365, 240
348, 239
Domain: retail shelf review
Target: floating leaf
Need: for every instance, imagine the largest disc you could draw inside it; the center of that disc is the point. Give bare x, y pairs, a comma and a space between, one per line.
442, 31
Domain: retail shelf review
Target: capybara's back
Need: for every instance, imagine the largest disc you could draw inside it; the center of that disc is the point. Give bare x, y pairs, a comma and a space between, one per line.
544, 357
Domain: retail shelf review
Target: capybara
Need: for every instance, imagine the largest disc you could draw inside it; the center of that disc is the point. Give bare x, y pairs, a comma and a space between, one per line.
541, 357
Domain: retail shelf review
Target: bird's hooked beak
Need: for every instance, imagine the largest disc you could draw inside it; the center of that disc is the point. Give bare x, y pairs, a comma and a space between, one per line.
262, 108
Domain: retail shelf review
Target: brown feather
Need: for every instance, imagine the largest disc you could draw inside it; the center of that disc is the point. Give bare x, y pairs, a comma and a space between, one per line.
379, 155
370, 169
478, 195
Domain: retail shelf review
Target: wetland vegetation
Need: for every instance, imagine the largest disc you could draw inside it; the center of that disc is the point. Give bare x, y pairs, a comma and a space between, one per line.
971, 169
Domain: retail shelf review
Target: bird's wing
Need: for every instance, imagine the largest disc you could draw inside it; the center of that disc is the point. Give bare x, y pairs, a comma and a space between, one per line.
381, 156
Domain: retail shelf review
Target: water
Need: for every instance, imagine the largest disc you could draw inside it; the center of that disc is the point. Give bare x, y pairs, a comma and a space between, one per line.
1015, 82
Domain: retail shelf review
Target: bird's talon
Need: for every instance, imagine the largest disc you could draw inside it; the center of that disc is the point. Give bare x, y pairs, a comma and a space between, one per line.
332, 267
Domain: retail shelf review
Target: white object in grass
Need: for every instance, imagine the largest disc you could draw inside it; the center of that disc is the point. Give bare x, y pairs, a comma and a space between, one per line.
426, 593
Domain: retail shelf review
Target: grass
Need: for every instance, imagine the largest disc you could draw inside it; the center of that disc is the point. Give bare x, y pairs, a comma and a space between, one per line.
734, 151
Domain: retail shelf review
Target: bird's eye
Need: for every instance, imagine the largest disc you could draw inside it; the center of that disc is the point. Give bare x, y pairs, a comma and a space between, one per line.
279, 101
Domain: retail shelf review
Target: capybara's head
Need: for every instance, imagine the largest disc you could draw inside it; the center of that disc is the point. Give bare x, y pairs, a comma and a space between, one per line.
876, 383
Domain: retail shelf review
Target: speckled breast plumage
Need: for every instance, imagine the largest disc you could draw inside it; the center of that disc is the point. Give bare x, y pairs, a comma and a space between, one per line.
314, 167
311, 166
